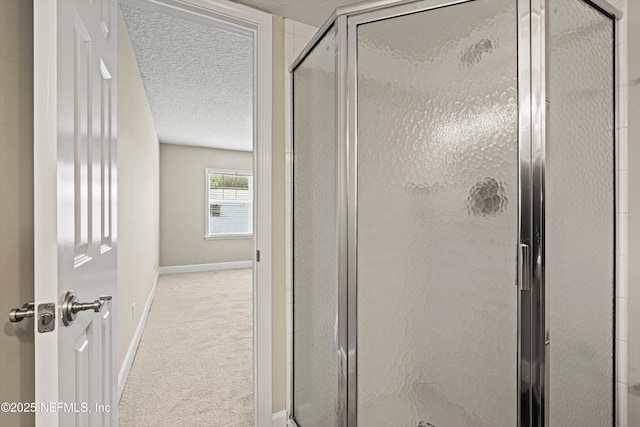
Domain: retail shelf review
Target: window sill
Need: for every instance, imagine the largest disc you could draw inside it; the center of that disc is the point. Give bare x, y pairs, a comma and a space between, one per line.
228, 236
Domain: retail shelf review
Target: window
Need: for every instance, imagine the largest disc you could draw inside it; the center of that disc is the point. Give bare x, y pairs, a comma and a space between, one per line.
229, 203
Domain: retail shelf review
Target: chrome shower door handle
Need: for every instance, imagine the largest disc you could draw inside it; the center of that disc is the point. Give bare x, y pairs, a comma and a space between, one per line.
525, 271
71, 308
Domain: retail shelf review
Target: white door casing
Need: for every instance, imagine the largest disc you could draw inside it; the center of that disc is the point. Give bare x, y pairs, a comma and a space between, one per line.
75, 54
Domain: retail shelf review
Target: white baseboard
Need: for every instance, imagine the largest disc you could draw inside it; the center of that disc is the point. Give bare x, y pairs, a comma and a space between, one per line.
135, 341
279, 419
205, 267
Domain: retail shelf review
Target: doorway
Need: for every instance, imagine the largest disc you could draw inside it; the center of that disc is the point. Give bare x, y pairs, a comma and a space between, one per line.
256, 27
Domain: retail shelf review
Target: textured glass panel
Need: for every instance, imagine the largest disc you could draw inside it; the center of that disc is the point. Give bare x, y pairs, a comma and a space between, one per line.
315, 361
580, 215
437, 218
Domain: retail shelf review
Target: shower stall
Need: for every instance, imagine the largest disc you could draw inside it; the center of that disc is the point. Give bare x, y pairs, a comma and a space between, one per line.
454, 216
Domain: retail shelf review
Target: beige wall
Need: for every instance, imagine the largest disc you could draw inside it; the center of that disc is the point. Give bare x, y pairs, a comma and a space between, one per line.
138, 193
16, 208
633, 15
278, 220
182, 206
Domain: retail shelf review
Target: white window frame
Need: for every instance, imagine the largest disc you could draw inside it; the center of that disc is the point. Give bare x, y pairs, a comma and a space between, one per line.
221, 236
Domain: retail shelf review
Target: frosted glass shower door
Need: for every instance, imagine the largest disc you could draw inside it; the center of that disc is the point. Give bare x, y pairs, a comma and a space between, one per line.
315, 238
437, 217
580, 215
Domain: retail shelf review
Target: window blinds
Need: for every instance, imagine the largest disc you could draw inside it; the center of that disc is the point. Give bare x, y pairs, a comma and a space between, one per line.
230, 203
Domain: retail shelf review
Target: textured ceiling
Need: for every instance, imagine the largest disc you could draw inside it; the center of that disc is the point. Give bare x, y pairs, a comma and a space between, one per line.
198, 79
310, 12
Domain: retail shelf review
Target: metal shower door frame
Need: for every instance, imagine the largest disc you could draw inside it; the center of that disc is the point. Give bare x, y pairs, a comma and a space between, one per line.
525, 218
532, 112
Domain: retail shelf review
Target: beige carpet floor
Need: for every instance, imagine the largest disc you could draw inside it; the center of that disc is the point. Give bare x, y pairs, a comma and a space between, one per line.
194, 365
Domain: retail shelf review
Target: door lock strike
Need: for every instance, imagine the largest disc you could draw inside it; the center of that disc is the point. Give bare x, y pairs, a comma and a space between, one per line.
46, 317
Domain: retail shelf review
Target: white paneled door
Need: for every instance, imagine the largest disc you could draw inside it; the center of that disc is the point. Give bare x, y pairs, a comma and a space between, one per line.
75, 65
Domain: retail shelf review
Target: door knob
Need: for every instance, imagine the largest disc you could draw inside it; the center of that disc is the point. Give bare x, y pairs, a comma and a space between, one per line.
27, 310
71, 308
46, 315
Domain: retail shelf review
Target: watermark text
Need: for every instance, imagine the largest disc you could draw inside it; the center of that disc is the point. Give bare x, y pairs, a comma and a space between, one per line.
53, 407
